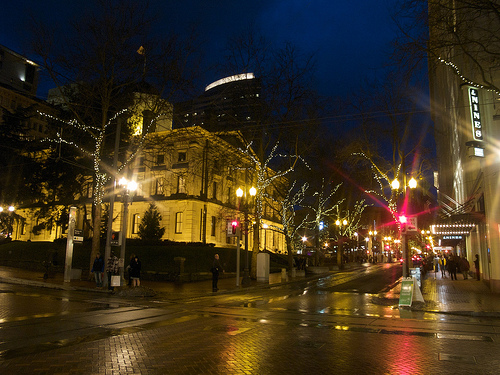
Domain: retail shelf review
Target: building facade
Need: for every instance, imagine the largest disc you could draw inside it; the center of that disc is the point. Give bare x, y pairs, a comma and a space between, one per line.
191, 175
466, 114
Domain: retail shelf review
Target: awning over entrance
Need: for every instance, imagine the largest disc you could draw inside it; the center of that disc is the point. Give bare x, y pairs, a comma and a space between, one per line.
456, 227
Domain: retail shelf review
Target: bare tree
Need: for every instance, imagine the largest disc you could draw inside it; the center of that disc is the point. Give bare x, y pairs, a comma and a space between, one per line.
324, 206
100, 69
290, 225
266, 178
462, 35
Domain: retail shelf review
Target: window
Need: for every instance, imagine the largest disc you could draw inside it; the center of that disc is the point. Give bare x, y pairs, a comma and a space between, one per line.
212, 229
160, 159
181, 184
136, 220
214, 190
182, 157
159, 188
147, 122
178, 222
29, 73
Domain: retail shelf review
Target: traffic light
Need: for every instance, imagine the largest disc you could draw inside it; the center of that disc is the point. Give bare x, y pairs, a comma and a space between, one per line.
403, 219
235, 225
233, 228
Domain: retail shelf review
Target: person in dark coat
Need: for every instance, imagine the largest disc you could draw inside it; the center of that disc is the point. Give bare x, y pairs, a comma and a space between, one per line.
135, 271
452, 267
98, 269
216, 269
476, 265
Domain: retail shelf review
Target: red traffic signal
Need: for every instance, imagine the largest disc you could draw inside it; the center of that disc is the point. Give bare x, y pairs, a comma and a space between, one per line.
403, 219
234, 225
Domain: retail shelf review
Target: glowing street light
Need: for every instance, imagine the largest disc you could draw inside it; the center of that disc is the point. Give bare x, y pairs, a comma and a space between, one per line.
340, 247
128, 187
240, 193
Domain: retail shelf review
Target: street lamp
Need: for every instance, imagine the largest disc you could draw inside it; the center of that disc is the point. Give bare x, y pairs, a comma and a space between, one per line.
403, 219
242, 195
372, 234
340, 247
128, 187
356, 234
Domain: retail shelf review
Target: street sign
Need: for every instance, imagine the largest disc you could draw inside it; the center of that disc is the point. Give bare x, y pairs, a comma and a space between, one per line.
411, 225
116, 239
78, 235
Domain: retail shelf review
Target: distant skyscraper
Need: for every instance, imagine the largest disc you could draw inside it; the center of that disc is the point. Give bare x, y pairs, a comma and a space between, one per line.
231, 103
17, 72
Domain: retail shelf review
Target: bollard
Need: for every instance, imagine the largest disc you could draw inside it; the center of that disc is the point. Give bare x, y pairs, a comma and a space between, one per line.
284, 276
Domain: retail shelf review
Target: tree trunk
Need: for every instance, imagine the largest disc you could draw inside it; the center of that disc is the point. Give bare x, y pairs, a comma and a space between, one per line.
290, 255
255, 249
96, 235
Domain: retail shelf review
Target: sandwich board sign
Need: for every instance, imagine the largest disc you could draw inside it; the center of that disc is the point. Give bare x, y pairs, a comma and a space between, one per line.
406, 294
410, 291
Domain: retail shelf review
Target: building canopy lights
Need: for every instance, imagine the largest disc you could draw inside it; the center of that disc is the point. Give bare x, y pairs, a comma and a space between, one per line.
452, 229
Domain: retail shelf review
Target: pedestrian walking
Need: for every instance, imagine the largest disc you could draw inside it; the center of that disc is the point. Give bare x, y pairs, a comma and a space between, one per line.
464, 267
216, 269
451, 264
132, 256
442, 267
98, 269
135, 271
476, 265
436, 264
111, 268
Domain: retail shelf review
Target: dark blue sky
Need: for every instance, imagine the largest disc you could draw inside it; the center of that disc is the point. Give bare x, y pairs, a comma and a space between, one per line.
349, 38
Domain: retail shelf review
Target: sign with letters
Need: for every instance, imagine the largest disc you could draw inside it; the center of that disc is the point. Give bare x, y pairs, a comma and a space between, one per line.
477, 127
406, 294
78, 235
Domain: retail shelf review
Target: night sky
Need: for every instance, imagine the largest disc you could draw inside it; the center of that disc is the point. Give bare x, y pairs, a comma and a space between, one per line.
350, 39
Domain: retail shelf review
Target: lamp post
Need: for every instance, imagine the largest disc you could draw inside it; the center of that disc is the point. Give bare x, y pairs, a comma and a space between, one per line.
367, 241
265, 226
128, 187
242, 194
412, 184
372, 238
356, 234
340, 247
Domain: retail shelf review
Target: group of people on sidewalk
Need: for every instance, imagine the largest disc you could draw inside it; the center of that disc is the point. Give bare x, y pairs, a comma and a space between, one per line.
454, 264
134, 270
112, 268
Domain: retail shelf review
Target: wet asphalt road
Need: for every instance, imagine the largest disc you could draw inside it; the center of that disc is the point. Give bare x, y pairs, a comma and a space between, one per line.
337, 324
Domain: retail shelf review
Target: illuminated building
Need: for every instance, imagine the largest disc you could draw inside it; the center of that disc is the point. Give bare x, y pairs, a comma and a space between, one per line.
18, 86
231, 103
466, 113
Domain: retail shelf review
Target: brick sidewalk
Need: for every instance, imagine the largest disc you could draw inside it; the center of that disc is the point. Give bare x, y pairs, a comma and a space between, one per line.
465, 297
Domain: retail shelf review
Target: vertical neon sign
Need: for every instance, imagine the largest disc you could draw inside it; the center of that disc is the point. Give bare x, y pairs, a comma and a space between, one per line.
477, 128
